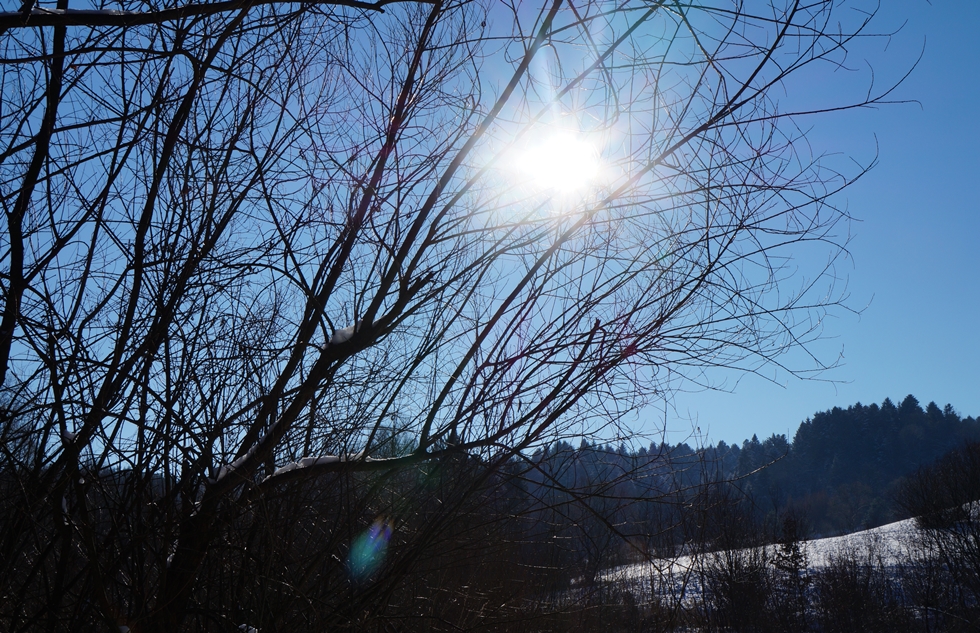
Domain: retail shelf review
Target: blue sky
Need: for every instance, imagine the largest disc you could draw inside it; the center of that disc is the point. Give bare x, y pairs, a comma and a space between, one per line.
915, 269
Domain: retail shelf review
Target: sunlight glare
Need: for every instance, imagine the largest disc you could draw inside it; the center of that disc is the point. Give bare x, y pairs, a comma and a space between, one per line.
560, 162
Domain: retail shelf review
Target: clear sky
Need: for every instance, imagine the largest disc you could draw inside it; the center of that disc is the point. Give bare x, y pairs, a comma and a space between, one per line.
915, 269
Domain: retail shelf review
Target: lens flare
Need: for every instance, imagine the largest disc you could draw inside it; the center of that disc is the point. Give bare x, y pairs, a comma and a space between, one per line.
367, 552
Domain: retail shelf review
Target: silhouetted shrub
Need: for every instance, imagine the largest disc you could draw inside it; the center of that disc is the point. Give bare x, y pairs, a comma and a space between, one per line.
855, 593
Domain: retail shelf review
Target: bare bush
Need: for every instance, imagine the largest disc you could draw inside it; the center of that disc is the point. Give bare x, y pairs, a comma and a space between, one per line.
857, 592
246, 244
943, 499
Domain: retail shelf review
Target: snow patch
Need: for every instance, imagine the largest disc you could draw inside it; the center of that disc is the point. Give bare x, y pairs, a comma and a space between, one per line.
67, 437
345, 334
886, 539
680, 578
306, 462
322, 460
235, 465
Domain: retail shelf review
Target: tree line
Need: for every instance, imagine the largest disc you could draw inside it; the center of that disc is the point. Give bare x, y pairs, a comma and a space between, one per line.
843, 467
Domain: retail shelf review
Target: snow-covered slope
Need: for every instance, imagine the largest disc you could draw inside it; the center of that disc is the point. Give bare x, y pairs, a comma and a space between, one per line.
884, 543
681, 578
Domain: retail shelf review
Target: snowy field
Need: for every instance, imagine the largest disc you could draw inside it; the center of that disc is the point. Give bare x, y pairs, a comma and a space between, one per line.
682, 578
885, 543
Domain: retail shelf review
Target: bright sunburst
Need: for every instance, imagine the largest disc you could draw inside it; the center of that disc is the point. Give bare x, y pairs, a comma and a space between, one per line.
561, 162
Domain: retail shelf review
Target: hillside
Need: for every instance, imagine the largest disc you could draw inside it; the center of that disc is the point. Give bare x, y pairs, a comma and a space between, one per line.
842, 467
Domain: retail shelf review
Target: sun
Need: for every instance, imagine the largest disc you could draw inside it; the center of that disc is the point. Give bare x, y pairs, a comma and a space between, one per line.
561, 162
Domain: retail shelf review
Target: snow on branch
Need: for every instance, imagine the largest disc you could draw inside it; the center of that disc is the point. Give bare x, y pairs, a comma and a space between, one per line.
344, 334
322, 460
304, 463
355, 461
235, 465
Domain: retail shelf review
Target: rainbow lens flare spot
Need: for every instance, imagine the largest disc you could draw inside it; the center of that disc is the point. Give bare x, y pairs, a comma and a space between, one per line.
368, 550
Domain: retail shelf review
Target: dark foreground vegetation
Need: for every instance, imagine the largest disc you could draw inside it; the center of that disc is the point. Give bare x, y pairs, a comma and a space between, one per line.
288, 303
454, 545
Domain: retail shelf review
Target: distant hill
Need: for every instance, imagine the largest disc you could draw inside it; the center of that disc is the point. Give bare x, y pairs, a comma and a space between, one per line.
582, 509
840, 472
843, 465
